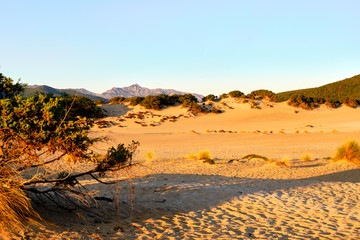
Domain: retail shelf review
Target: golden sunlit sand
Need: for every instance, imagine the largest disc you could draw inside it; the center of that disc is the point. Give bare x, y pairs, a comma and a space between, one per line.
173, 195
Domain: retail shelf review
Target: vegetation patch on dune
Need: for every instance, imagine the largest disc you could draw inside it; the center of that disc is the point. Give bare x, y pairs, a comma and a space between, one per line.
349, 151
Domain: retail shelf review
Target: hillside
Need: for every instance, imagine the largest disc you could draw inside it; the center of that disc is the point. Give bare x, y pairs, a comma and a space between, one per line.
32, 90
349, 87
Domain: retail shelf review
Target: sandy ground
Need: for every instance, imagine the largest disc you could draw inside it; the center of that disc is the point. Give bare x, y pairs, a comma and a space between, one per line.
174, 197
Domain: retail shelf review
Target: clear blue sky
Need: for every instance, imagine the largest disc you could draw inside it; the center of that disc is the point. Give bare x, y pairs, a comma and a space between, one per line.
212, 46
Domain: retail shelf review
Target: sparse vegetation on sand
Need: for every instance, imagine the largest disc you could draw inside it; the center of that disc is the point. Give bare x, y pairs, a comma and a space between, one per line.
192, 156
283, 162
264, 94
306, 157
206, 157
150, 156
251, 156
203, 155
349, 151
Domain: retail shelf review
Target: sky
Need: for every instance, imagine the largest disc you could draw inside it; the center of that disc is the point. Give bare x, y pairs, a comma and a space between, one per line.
199, 46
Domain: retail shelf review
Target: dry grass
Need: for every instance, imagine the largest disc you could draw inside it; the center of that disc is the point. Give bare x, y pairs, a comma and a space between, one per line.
206, 157
15, 211
349, 151
306, 157
192, 156
285, 162
150, 156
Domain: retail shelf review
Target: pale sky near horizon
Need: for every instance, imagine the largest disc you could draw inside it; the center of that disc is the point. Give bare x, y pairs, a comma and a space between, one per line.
196, 46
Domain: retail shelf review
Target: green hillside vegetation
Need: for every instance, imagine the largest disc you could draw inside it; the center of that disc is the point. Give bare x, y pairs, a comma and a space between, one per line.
335, 92
158, 102
32, 91
264, 94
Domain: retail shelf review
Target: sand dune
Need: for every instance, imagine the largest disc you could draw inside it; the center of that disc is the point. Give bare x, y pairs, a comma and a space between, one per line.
180, 198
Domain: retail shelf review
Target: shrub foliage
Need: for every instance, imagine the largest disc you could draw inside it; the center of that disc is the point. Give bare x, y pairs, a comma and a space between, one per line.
39, 132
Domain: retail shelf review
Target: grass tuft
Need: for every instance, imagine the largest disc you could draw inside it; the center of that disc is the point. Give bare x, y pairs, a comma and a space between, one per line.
150, 156
306, 157
206, 157
349, 151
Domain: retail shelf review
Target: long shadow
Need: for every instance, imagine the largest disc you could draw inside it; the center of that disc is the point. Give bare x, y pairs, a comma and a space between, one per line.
115, 110
153, 196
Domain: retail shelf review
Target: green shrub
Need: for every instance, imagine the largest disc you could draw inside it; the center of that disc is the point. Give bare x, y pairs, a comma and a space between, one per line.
185, 98
116, 100
167, 100
151, 102
236, 94
8, 89
206, 157
99, 102
307, 103
215, 110
350, 102
79, 106
265, 94
36, 134
135, 100
223, 96
210, 97
194, 107
331, 104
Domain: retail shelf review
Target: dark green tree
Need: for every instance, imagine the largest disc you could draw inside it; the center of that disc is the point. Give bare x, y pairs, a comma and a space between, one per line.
8, 89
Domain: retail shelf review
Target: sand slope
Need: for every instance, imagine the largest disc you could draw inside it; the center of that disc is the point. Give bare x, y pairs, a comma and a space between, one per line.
179, 198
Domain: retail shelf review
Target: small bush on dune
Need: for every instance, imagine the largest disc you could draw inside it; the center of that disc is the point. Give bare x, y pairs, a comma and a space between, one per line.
210, 97
350, 102
283, 162
306, 157
206, 157
116, 100
236, 94
99, 102
349, 151
223, 96
151, 102
307, 103
265, 94
135, 100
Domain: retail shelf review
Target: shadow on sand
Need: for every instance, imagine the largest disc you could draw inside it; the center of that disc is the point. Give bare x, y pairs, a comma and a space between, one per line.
157, 196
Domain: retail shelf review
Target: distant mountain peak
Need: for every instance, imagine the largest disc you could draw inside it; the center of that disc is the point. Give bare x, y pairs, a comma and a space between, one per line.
134, 90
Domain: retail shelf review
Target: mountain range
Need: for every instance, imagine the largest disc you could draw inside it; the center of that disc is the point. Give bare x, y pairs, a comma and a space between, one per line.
349, 87
134, 90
